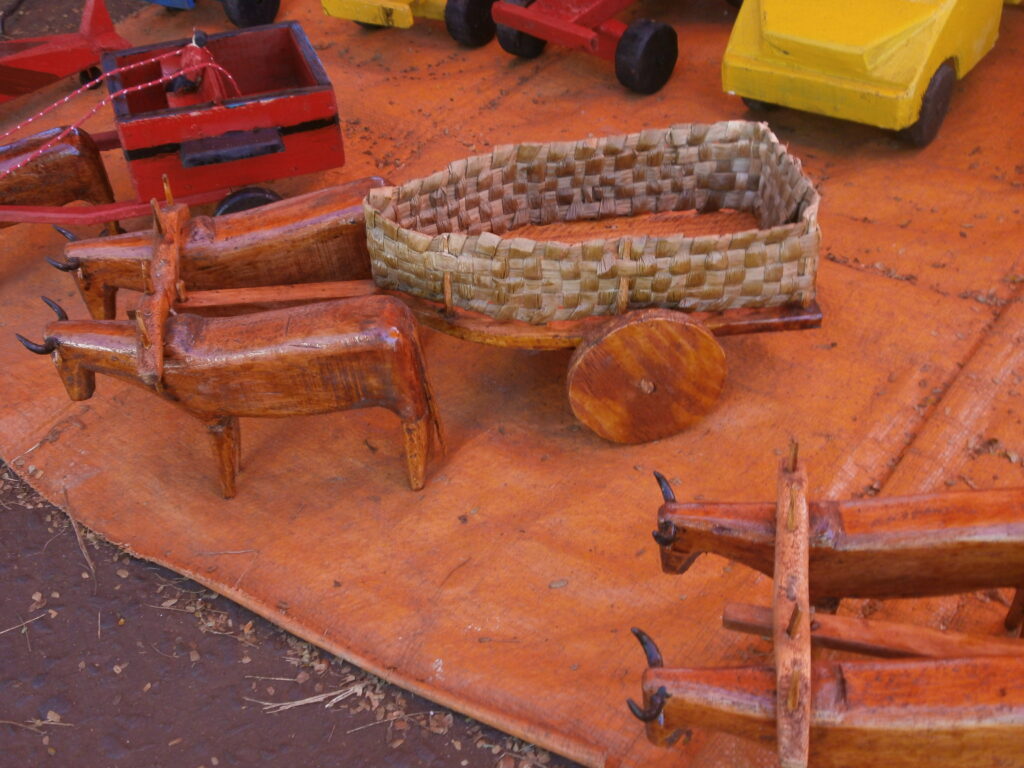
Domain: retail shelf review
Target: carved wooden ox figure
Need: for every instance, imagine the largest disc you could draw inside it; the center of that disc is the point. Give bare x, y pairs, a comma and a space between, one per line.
70, 170
906, 713
311, 359
882, 547
316, 237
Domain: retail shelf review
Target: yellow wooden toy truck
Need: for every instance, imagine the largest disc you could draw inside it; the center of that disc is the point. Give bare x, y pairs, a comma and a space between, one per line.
889, 63
468, 21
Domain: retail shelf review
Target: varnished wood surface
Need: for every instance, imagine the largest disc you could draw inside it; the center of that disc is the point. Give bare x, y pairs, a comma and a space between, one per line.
904, 713
884, 547
312, 359
876, 638
313, 237
161, 290
645, 375
70, 170
791, 612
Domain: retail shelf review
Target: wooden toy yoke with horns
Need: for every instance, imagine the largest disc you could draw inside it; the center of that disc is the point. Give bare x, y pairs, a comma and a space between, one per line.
911, 546
316, 237
307, 359
960, 702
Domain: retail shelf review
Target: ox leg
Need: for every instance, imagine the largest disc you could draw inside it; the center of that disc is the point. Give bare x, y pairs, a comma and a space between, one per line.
100, 300
1015, 616
417, 444
227, 448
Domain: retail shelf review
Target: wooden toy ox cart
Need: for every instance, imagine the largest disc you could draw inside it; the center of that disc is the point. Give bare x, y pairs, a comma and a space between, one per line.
446, 246
936, 698
235, 109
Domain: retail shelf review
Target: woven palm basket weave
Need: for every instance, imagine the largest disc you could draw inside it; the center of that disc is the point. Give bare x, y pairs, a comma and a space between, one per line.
462, 221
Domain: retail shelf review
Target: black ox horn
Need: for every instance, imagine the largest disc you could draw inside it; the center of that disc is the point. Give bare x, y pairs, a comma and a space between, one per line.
666, 487
66, 234
40, 349
653, 712
657, 705
67, 266
61, 314
650, 649
49, 344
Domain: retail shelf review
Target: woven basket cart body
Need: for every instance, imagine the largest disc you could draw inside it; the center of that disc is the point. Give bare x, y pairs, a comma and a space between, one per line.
458, 227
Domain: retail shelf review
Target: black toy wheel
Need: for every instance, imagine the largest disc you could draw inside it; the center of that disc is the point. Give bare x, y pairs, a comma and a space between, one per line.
934, 106
646, 55
735, 3
371, 27
246, 198
520, 43
251, 13
469, 22
756, 105
86, 76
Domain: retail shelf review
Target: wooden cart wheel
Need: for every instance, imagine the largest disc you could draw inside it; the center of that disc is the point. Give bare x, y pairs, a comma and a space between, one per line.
469, 22
251, 13
645, 375
520, 43
934, 105
646, 55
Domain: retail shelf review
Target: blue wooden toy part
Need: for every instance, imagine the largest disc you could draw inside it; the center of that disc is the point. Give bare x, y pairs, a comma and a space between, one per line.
183, 4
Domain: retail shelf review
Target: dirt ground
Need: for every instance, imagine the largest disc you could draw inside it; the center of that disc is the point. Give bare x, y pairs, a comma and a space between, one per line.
108, 660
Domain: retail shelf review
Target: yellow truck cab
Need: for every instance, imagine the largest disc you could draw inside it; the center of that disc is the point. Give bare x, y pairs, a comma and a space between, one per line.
889, 63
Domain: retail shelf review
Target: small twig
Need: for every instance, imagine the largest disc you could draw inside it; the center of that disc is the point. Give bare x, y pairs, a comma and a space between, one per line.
81, 544
169, 608
20, 725
332, 697
24, 623
98, 629
55, 536
391, 720
240, 639
169, 656
247, 569
281, 679
228, 552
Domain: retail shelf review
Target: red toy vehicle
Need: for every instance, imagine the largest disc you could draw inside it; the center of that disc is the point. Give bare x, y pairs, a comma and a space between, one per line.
644, 52
30, 64
243, 107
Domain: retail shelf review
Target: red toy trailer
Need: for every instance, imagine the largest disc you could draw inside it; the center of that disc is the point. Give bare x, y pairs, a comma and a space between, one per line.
271, 115
30, 64
644, 52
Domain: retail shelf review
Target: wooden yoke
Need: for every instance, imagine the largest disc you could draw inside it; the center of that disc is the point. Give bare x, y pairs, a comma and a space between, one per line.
791, 615
163, 289
942, 699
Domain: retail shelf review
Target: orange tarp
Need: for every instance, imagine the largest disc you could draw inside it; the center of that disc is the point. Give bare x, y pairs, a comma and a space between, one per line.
506, 589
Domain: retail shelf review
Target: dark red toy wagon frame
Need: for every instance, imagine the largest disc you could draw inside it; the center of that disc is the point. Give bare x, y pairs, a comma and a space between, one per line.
282, 122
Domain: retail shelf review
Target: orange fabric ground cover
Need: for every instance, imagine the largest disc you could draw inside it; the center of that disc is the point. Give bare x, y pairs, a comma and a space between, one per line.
506, 589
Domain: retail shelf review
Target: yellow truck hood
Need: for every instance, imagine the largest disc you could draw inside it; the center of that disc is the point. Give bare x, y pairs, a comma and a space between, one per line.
855, 36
